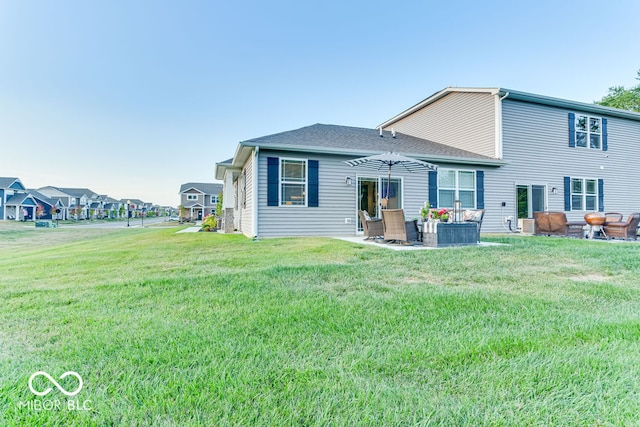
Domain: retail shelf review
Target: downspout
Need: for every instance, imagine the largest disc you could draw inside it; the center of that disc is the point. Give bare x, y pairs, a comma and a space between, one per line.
254, 191
498, 124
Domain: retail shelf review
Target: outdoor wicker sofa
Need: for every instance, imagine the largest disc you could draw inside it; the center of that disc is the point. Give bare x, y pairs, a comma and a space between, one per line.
556, 224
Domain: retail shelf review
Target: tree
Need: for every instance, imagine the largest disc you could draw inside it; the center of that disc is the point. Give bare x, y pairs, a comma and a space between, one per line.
219, 205
622, 98
182, 212
39, 211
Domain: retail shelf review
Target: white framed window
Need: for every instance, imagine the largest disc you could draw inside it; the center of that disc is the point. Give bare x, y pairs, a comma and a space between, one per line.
192, 197
584, 194
588, 132
214, 200
293, 182
456, 185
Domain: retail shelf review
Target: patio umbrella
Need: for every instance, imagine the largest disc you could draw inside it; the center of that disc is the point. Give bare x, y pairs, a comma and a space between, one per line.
387, 161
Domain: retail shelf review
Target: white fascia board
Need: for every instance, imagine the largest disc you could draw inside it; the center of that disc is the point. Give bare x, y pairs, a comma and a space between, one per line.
193, 188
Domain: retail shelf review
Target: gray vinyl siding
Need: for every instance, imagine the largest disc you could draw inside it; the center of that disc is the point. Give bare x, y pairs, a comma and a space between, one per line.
461, 120
536, 149
336, 200
199, 197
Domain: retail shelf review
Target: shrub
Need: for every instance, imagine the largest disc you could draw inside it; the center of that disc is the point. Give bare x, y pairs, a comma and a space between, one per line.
210, 222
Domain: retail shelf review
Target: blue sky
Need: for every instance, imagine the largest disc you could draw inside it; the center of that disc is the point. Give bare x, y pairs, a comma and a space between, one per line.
134, 98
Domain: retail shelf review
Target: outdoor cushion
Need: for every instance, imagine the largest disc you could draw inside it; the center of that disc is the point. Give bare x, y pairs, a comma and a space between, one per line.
472, 215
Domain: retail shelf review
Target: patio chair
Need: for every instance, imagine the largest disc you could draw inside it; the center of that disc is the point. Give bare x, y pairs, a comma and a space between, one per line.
624, 230
394, 225
372, 227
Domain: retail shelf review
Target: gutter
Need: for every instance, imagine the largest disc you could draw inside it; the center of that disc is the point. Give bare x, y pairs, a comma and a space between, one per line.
487, 161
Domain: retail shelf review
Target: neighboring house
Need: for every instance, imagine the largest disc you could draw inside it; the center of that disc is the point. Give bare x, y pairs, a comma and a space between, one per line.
112, 208
133, 206
200, 198
49, 206
15, 202
509, 152
64, 199
19, 203
77, 201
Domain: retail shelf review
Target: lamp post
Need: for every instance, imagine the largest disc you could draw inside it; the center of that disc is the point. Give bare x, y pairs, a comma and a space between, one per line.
128, 211
142, 213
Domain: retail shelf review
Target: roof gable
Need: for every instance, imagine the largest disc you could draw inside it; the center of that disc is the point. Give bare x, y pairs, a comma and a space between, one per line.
201, 187
12, 183
519, 96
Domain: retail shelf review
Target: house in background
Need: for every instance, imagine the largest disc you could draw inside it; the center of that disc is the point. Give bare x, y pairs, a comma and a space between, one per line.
200, 198
15, 202
112, 208
76, 201
48, 205
511, 153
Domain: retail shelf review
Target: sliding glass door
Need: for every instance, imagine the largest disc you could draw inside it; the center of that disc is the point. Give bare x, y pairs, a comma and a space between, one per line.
531, 198
372, 194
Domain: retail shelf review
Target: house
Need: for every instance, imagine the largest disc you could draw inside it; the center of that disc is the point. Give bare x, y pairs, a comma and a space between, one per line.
46, 208
77, 202
133, 207
61, 198
199, 198
15, 202
511, 153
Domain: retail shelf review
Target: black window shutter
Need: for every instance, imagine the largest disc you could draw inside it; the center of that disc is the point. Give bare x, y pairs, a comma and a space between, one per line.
601, 195
479, 189
567, 193
572, 130
312, 200
605, 135
273, 170
433, 189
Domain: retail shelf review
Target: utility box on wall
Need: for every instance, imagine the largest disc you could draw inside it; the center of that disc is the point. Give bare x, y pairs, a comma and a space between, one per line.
527, 226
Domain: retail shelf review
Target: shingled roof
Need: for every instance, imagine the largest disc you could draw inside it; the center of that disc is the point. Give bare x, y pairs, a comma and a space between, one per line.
204, 187
348, 140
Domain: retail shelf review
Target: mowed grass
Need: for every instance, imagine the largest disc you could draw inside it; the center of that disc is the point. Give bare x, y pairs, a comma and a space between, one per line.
206, 329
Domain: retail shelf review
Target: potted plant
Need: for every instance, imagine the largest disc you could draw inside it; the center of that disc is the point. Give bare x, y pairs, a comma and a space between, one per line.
425, 210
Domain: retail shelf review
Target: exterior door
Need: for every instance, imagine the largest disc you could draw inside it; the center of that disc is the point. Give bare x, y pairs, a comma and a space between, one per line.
372, 192
367, 197
530, 199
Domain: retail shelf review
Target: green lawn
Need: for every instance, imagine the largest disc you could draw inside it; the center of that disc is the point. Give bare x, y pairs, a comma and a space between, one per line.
206, 329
